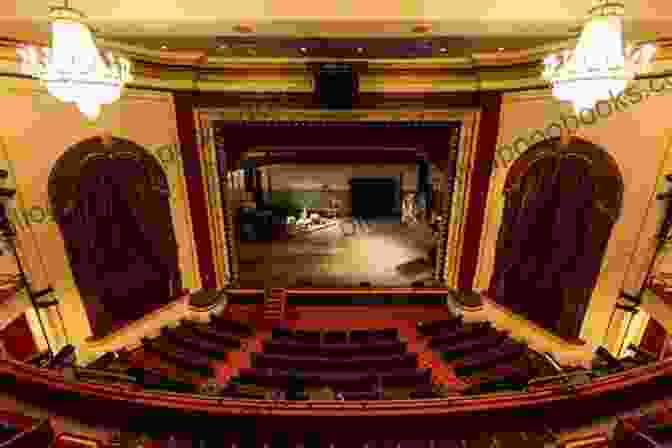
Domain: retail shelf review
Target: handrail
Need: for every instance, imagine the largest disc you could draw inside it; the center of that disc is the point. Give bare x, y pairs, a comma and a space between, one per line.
560, 376
348, 291
82, 440
103, 374
23, 439
439, 406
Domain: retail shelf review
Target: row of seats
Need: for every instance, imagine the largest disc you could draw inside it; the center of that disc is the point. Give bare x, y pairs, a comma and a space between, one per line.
151, 379
195, 345
222, 337
508, 376
183, 337
240, 329
355, 363
458, 350
482, 355
180, 356
449, 336
354, 381
430, 329
508, 350
336, 337
361, 364
367, 299
284, 346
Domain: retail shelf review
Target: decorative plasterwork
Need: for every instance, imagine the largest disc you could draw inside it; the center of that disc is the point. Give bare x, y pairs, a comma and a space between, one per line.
220, 214
197, 70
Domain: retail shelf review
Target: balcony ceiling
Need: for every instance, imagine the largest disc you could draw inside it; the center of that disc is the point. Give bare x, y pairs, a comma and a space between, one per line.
333, 28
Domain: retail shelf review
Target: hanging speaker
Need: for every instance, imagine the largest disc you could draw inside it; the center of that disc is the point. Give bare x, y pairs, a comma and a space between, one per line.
336, 86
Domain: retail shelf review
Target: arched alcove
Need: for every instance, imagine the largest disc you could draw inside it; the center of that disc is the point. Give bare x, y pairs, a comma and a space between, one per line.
111, 202
561, 202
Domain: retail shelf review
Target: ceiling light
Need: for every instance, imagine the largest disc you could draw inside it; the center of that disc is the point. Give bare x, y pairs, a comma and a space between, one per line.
500, 49
599, 67
245, 29
303, 49
73, 70
422, 28
164, 47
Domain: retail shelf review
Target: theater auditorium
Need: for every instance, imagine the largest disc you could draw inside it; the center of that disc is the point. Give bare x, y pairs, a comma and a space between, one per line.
335, 225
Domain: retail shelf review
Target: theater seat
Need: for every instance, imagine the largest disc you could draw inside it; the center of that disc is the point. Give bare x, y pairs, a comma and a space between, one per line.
238, 328
435, 327
455, 351
335, 337
308, 337
281, 333
507, 351
291, 347
225, 338
184, 338
356, 363
366, 336
364, 395
424, 391
466, 331
153, 380
180, 356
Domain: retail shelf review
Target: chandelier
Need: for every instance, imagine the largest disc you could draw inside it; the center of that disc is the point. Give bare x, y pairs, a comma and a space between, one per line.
73, 70
599, 67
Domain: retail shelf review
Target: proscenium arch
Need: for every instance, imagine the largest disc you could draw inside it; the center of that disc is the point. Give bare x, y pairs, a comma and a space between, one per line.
606, 200
231, 138
115, 157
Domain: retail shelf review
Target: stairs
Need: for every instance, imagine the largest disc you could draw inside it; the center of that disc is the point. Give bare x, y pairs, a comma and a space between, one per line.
274, 308
428, 359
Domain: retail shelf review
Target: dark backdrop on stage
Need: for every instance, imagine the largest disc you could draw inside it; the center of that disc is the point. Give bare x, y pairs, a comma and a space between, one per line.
376, 197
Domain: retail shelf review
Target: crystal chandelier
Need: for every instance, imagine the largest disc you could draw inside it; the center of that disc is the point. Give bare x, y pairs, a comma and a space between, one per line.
72, 69
599, 67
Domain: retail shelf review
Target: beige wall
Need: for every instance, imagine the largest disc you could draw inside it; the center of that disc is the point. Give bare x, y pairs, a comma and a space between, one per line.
637, 138
35, 131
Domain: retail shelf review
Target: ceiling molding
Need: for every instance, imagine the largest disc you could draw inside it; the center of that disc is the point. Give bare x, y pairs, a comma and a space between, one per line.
505, 70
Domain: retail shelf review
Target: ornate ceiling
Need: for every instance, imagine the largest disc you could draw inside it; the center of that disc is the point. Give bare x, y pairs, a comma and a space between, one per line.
429, 45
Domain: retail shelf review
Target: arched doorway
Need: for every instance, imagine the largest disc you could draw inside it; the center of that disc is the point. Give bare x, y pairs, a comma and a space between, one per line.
111, 202
561, 202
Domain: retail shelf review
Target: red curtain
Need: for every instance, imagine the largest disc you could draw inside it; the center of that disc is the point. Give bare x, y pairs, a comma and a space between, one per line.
551, 244
18, 339
655, 337
121, 242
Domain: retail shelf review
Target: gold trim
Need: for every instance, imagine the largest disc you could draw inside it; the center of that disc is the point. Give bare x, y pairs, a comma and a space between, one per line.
211, 184
79, 441
468, 146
